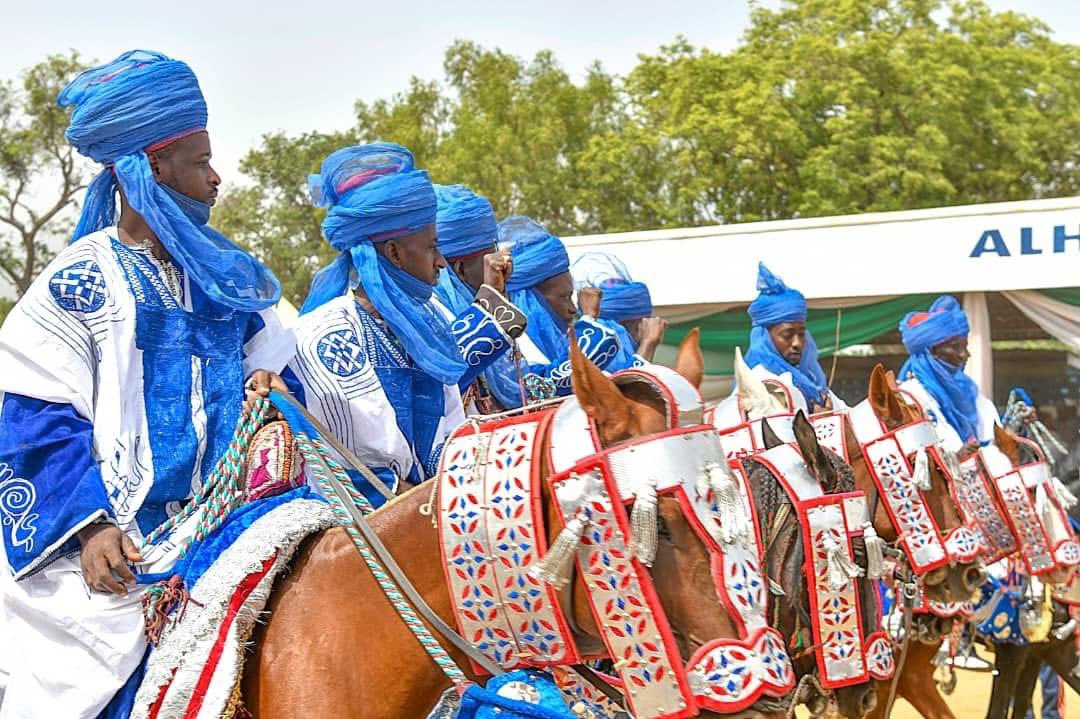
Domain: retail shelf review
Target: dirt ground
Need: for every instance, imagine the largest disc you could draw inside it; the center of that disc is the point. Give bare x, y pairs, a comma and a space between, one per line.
971, 698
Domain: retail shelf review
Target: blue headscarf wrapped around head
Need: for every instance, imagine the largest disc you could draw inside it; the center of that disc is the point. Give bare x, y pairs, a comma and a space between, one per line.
537, 256
621, 298
954, 391
144, 100
465, 222
375, 194
777, 303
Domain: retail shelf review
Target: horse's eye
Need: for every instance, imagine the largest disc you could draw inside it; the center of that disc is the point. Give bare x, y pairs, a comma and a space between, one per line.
662, 530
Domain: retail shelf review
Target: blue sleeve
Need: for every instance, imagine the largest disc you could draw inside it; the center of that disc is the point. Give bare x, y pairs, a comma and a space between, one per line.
596, 342
480, 340
50, 483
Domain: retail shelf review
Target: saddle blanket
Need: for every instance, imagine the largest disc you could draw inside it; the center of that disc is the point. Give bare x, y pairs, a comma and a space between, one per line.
195, 670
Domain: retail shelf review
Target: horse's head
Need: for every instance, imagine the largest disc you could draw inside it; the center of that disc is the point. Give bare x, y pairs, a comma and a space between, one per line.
955, 582
756, 398
683, 569
791, 612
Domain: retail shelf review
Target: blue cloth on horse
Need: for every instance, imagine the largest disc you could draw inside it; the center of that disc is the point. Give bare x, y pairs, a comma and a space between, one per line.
1000, 603
537, 256
375, 194
145, 99
465, 222
492, 702
777, 303
954, 391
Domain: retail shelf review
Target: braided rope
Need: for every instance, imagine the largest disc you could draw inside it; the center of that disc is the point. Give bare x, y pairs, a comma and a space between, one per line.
318, 460
222, 492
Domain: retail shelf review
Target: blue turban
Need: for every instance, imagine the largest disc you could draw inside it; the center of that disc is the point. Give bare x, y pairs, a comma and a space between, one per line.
621, 299
465, 222
953, 390
146, 100
375, 194
777, 303
537, 256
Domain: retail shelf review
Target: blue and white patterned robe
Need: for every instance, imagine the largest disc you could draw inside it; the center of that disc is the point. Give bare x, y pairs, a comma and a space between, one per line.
117, 396
357, 379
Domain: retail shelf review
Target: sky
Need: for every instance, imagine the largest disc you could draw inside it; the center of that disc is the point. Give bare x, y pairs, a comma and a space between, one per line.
295, 67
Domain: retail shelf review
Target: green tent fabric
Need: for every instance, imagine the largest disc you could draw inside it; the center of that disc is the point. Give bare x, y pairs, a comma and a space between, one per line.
722, 332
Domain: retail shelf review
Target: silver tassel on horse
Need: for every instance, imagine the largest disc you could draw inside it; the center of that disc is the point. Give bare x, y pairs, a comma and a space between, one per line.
841, 568
643, 524
922, 470
952, 463
875, 552
1064, 496
554, 568
727, 505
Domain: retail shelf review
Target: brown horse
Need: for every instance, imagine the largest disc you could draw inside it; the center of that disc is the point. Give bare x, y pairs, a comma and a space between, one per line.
334, 646
784, 560
952, 583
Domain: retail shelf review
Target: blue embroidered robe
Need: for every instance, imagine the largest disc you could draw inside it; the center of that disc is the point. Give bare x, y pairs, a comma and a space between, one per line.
119, 394
357, 379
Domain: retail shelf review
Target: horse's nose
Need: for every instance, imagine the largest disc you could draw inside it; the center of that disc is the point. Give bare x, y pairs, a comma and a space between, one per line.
974, 577
869, 700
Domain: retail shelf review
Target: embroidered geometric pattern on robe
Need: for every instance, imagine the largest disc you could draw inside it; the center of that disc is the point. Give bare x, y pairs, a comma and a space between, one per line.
79, 287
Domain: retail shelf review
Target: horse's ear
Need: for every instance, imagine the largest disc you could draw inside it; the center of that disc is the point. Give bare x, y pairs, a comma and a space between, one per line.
1006, 442
689, 361
755, 400
599, 396
768, 436
883, 397
816, 460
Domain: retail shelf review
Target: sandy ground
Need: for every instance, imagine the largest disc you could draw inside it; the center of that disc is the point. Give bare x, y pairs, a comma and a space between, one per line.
971, 698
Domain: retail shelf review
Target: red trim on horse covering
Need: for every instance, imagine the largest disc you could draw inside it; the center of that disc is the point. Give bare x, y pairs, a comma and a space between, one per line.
156, 707
243, 591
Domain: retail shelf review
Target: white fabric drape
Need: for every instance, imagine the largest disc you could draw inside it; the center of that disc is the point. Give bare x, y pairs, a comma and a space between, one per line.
980, 366
1058, 319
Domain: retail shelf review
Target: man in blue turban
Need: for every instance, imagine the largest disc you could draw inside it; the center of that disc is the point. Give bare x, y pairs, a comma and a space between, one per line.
781, 352
379, 359
544, 289
467, 234
934, 375
625, 306
123, 376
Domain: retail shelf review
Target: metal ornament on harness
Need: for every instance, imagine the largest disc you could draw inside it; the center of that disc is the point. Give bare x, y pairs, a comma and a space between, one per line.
492, 535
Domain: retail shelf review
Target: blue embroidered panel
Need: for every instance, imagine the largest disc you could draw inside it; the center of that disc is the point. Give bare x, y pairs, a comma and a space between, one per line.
597, 343
80, 287
480, 341
417, 398
50, 485
180, 348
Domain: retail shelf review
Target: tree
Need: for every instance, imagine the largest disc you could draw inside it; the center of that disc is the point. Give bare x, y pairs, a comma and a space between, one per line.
826, 107
40, 174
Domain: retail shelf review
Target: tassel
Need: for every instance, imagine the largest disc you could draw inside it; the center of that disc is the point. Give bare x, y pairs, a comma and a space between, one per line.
922, 471
1065, 630
951, 462
160, 603
643, 525
841, 568
727, 506
1066, 498
875, 552
554, 568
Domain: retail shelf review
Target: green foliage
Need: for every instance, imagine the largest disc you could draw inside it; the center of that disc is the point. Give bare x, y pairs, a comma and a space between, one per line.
826, 107
40, 174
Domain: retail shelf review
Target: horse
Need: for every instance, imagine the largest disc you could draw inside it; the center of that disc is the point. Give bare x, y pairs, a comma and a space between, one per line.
951, 582
782, 534
784, 559
1017, 665
333, 645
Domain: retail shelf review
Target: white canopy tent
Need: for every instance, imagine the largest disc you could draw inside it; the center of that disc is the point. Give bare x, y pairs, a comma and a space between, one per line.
854, 260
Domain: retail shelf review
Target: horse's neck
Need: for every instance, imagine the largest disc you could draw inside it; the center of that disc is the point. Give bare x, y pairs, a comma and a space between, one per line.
864, 483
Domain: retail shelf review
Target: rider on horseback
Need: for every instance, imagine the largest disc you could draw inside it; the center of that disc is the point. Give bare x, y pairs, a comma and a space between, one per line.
123, 378
934, 375
782, 350
385, 364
